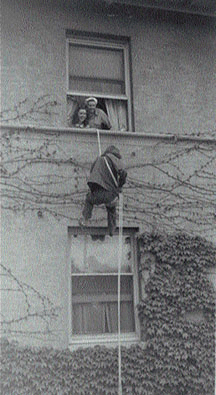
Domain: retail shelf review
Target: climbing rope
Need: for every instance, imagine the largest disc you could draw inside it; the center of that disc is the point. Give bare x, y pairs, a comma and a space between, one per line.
119, 289
99, 144
120, 250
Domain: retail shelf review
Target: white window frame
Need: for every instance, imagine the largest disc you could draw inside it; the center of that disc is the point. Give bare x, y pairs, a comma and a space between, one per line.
110, 45
107, 339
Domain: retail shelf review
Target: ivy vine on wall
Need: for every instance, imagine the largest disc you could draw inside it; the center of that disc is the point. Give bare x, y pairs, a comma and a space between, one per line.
177, 317
178, 312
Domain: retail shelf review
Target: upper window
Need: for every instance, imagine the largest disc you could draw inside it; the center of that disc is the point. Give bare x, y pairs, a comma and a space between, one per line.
100, 69
94, 287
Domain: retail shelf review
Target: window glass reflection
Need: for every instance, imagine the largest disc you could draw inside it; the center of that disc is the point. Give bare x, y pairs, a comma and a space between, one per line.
99, 254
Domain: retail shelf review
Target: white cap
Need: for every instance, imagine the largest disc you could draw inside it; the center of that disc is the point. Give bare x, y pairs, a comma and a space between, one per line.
91, 99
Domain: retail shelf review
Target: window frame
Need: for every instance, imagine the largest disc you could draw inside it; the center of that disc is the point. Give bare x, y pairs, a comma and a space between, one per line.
109, 44
108, 339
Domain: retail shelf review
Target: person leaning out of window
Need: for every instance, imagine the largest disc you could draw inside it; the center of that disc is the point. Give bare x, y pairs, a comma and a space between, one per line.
96, 117
80, 117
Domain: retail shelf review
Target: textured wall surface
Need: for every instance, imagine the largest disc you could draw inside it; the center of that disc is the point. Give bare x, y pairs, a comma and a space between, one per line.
205, 7
170, 182
43, 194
172, 56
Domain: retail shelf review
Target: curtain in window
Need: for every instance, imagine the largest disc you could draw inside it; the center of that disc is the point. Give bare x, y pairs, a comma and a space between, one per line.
95, 318
72, 105
117, 113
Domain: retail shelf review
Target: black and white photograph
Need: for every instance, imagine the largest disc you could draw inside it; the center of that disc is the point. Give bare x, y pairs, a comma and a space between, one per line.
108, 197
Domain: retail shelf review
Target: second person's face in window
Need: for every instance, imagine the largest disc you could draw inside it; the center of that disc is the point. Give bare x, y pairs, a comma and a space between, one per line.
91, 107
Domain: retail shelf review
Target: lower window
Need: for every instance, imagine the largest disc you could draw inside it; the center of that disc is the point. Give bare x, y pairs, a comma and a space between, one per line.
94, 285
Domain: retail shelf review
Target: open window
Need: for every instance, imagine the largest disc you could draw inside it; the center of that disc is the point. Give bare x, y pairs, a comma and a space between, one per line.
100, 68
94, 287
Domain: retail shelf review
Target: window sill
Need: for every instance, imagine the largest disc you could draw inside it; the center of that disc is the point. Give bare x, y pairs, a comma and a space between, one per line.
102, 131
67, 130
108, 340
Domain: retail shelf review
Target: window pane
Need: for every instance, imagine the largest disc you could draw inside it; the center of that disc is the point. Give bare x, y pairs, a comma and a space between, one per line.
98, 285
96, 69
99, 254
106, 87
96, 62
95, 309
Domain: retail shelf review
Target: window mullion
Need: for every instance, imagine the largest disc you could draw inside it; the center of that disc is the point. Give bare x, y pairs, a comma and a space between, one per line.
96, 94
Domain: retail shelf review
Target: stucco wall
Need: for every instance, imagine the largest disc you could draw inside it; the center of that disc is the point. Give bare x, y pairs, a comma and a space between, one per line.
34, 253
173, 66
35, 226
173, 62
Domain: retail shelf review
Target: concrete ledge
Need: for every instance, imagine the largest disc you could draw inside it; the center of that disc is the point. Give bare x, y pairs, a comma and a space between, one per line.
67, 130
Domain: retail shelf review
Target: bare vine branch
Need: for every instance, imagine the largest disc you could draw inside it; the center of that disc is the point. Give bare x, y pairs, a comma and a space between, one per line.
37, 176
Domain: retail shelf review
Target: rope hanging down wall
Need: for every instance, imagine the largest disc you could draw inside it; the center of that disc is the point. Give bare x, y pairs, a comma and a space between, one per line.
119, 273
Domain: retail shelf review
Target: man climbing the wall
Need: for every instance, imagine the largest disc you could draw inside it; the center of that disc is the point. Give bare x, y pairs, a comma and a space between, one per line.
106, 180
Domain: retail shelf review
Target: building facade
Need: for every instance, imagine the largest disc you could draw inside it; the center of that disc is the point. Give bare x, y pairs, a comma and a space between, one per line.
152, 71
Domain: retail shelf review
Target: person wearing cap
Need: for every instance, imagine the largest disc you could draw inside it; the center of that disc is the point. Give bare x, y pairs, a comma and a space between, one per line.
107, 177
96, 117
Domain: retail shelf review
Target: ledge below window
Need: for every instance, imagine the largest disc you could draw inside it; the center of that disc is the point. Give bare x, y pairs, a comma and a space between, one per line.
108, 340
144, 135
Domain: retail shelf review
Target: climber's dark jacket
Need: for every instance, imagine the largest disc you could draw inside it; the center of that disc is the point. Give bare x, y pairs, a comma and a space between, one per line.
101, 175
